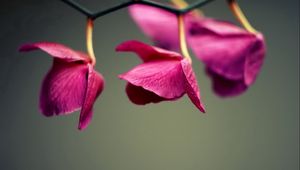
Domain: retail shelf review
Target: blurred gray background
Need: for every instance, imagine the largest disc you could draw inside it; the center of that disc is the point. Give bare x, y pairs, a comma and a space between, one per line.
258, 130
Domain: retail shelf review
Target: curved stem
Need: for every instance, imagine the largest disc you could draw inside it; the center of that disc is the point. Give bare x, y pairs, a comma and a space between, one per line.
182, 5
240, 16
89, 40
182, 39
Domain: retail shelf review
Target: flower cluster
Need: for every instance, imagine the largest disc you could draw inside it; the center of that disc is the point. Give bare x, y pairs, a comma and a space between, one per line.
232, 56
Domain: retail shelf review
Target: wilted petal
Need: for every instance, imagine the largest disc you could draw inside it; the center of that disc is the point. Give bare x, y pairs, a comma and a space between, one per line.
146, 52
160, 25
56, 50
164, 78
226, 87
95, 84
140, 96
63, 88
191, 84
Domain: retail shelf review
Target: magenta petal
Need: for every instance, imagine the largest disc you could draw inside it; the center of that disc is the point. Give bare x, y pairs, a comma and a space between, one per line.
226, 87
147, 52
212, 26
63, 88
255, 60
191, 85
160, 25
233, 55
163, 78
140, 96
56, 50
95, 86
223, 51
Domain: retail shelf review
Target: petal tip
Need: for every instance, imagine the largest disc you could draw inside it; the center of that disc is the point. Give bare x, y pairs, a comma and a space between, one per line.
126, 45
82, 127
122, 76
202, 109
25, 48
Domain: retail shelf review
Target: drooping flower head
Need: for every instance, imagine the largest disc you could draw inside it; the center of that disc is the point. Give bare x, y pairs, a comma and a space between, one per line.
71, 83
163, 76
233, 56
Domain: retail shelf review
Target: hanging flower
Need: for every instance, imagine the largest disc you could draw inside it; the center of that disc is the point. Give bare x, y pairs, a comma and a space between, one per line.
160, 25
163, 76
71, 83
232, 56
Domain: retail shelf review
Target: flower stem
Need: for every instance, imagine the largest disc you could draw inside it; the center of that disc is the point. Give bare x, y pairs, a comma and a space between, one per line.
182, 4
182, 39
240, 16
89, 40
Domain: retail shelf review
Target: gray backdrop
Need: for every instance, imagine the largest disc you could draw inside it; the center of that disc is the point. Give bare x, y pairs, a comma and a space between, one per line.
255, 131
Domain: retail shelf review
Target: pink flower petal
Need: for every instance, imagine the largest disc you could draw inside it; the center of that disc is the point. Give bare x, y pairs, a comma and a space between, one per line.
146, 52
140, 96
164, 78
227, 50
255, 60
192, 85
158, 24
213, 26
63, 88
56, 50
95, 84
226, 87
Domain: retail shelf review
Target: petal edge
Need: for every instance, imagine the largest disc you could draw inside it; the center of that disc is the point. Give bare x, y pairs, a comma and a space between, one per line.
56, 50
95, 85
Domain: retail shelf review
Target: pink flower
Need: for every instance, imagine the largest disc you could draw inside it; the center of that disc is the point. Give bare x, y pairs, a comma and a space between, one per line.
161, 26
233, 56
71, 84
163, 76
